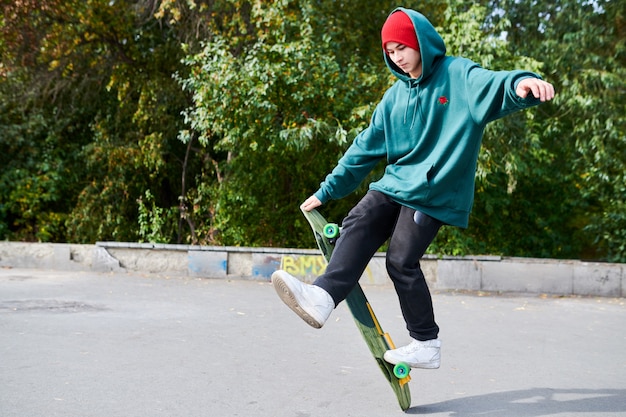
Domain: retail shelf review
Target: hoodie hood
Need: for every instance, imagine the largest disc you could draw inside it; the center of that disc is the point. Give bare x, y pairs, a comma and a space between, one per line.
432, 47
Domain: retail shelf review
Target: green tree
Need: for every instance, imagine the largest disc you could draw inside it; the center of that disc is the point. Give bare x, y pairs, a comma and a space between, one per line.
31, 187
279, 90
95, 77
94, 146
585, 131
265, 95
514, 211
270, 115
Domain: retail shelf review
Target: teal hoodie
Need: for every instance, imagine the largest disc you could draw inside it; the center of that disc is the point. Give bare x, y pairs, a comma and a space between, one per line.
429, 131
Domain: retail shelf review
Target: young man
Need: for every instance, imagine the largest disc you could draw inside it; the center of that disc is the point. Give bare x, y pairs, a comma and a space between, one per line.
428, 128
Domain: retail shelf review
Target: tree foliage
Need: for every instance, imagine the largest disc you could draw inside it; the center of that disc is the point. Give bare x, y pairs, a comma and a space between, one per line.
270, 117
584, 49
209, 121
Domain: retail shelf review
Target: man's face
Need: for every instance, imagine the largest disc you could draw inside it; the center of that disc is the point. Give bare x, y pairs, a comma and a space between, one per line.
406, 58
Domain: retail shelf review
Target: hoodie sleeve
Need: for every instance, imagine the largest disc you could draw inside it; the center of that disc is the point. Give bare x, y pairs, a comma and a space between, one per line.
492, 93
361, 157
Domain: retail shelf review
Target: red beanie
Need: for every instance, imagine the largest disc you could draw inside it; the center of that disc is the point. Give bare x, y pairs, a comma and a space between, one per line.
399, 28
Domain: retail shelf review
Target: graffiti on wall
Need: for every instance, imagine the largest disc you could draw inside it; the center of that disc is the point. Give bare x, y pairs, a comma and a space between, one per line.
303, 265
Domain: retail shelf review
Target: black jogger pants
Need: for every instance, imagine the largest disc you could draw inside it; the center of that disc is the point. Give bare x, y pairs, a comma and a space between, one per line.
374, 220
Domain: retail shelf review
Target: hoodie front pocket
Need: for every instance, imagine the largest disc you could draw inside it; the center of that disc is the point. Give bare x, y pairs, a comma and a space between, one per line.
425, 176
409, 183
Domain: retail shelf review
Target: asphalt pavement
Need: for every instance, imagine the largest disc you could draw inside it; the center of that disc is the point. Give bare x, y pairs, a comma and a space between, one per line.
83, 344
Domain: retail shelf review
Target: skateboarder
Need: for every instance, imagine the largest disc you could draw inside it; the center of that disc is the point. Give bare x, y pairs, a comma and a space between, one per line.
427, 128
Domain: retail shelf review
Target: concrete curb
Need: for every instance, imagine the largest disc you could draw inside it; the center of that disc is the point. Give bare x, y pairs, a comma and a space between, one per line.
474, 273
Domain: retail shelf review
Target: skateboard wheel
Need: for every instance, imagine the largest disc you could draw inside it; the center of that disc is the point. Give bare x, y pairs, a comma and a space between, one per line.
401, 370
331, 230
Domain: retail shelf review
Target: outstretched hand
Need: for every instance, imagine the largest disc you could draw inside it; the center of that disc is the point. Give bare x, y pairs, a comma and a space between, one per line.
540, 89
310, 203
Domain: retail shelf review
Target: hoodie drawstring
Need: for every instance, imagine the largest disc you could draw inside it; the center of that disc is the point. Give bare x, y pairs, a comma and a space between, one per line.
408, 102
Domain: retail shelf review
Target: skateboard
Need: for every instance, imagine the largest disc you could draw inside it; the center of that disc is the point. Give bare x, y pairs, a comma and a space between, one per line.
377, 341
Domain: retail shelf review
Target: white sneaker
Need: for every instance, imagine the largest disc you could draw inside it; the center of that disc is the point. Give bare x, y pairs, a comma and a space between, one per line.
417, 354
312, 303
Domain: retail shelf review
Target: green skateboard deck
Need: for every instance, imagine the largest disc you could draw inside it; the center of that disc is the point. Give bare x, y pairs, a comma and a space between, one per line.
377, 341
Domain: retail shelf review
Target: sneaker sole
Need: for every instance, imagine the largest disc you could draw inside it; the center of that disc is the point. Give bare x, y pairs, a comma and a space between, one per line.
285, 294
413, 365
427, 366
